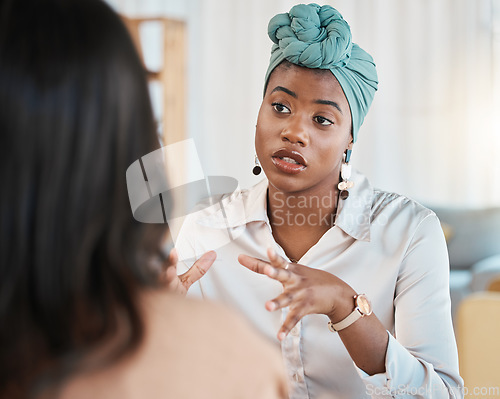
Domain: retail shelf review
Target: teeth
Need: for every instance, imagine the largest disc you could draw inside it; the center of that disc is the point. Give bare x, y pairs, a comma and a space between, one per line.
290, 160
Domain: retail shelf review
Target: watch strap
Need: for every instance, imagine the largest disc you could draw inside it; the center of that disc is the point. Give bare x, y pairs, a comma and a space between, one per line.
354, 316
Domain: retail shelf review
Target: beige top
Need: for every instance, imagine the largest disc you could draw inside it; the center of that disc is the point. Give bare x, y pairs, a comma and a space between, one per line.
383, 245
192, 349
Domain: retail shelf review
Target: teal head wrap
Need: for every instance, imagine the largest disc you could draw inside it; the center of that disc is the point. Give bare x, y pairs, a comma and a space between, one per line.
318, 37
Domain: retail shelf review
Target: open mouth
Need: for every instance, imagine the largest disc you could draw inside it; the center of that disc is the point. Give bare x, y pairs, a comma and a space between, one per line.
289, 161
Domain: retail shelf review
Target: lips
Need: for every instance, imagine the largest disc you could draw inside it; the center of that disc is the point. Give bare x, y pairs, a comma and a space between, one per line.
289, 161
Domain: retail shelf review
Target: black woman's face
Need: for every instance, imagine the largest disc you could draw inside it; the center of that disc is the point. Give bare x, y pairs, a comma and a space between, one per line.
303, 129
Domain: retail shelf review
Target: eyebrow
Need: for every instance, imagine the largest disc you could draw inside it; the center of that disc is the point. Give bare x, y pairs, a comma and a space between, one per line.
332, 103
293, 94
284, 89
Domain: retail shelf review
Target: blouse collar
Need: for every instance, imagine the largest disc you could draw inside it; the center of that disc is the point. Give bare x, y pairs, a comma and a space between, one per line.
247, 206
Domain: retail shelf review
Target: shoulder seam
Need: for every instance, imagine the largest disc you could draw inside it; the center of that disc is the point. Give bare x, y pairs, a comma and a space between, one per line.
430, 214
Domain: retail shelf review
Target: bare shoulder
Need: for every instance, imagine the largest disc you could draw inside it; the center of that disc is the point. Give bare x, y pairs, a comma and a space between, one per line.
225, 354
228, 340
191, 349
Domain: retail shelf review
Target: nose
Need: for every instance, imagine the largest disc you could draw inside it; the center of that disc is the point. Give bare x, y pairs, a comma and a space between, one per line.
295, 131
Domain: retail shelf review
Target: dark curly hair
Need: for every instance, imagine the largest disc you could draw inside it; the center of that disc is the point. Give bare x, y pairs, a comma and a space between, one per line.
74, 114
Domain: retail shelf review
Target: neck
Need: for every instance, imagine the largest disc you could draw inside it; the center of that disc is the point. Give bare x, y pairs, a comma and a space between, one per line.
311, 211
299, 220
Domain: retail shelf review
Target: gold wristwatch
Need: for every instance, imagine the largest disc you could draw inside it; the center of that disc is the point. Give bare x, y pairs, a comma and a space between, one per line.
363, 308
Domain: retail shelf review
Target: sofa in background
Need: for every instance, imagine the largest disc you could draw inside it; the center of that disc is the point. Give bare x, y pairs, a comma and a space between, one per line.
473, 239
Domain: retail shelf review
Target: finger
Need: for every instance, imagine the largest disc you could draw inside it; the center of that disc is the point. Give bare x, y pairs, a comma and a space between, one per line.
171, 276
276, 260
292, 318
279, 274
173, 258
253, 264
281, 301
199, 269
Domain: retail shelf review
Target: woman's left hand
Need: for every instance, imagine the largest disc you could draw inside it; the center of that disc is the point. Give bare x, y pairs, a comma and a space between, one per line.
305, 290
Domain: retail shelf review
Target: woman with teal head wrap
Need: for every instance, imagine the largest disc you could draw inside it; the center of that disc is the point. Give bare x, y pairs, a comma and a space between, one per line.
318, 37
370, 244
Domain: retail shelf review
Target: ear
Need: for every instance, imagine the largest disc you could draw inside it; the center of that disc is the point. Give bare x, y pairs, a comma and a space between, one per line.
349, 147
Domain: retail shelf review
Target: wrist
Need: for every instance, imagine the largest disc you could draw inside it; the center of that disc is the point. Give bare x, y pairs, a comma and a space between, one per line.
344, 304
362, 308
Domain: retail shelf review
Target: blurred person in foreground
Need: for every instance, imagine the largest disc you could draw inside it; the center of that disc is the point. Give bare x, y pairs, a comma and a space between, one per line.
84, 308
356, 293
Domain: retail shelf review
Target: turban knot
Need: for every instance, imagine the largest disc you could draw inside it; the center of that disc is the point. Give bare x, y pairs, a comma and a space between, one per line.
318, 37
312, 36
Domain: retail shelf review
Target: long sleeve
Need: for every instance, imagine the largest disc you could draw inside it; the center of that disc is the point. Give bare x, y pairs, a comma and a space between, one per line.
421, 358
384, 245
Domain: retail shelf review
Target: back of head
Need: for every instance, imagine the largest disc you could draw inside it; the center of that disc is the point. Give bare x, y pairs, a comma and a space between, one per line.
74, 114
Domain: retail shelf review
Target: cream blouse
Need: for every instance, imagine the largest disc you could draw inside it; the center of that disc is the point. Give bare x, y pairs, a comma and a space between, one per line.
382, 244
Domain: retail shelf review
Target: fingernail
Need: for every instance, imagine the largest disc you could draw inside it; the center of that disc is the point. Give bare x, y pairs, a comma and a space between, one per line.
271, 253
281, 336
271, 306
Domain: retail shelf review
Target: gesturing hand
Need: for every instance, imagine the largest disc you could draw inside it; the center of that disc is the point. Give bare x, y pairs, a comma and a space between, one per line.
305, 290
181, 283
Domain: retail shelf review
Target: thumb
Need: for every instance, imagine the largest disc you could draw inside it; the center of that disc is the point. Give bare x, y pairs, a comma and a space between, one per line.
199, 268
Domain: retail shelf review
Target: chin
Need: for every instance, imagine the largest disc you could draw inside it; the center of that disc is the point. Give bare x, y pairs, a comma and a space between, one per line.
287, 185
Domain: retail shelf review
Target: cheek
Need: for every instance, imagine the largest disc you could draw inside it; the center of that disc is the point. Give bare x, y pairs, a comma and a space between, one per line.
332, 150
257, 140
262, 133
261, 142
333, 157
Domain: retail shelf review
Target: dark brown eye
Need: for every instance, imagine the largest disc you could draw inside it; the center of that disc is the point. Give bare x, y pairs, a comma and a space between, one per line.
323, 121
280, 108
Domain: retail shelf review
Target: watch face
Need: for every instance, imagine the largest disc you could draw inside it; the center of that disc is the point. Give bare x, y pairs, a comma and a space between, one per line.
364, 304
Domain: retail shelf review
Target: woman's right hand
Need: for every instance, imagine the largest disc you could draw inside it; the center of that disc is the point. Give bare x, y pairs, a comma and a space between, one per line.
181, 283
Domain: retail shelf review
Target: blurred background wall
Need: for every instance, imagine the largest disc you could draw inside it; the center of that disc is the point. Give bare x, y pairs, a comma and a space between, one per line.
433, 132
